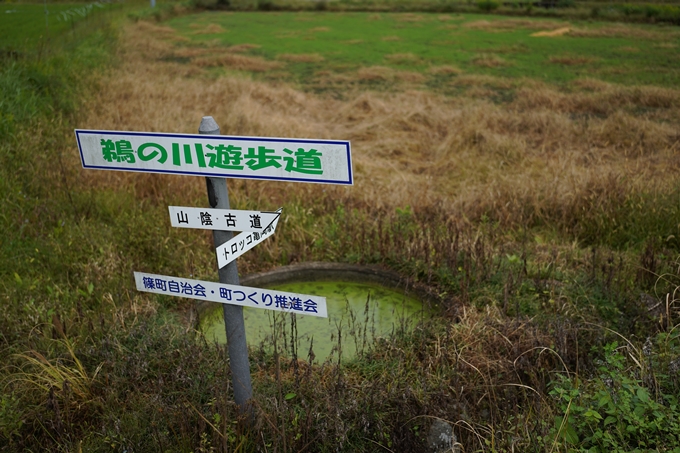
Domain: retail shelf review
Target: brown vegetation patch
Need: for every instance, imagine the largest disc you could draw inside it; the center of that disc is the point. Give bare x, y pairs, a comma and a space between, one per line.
409, 17
568, 60
410, 76
237, 48
666, 45
160, 30
329, 78
238, 62
391, 38
301, 57
354, 41
319, 29
512, 24
498, 83
607, 100
592, 84
623, 31
632, 135
549, 34
375, 73
444, 70
402, 58
211, 29
629, 49
489, 61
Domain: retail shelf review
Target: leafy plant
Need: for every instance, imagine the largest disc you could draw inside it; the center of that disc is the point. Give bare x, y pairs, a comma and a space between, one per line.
622, 408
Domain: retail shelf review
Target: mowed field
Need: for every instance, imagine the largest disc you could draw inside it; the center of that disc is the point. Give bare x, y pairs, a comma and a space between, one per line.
523, 122
431, 44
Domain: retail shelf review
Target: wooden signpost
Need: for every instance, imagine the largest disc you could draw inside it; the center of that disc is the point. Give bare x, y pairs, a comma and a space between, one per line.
218, 157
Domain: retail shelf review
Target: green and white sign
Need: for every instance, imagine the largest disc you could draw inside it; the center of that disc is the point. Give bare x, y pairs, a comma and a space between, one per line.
278, 159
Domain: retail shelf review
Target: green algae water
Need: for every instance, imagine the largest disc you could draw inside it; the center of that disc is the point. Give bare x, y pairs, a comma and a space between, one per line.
358, 313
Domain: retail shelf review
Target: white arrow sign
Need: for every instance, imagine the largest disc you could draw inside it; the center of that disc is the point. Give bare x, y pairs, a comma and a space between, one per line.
301, 304
240, 244
221, 219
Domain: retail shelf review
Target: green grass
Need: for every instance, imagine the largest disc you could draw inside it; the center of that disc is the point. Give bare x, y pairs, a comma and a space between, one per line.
28, 26
348, 41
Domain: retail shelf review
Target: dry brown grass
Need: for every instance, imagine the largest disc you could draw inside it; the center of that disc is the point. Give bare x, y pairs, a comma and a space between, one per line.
410, 77
544, 155
489, 61
375, 73
499, 83
238, 62
211, 29
512, 24
607, 99
409, 17
444, 69
245, 47
391, 38
158, 30
319, 29
552, 33
569, 60
623, 31
301, 57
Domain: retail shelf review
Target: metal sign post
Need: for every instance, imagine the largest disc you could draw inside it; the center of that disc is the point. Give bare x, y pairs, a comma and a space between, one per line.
219, 157
218, 197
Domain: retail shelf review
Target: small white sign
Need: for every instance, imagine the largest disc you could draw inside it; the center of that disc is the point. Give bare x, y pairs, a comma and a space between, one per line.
221, 219
301, 304
279, 159
241, 243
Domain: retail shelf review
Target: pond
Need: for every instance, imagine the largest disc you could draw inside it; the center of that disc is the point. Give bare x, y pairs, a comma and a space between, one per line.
358, 313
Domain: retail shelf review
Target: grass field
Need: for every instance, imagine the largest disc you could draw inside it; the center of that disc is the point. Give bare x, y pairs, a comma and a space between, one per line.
529, 183
27, 26
308, 43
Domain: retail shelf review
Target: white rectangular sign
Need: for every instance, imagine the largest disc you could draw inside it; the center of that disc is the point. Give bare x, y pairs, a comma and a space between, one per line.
245, 296
241, 243
280, 159
221, 219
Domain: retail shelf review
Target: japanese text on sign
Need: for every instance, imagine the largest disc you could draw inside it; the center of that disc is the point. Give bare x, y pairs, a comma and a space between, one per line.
240, 244
221, 219
245, 296
240, 157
